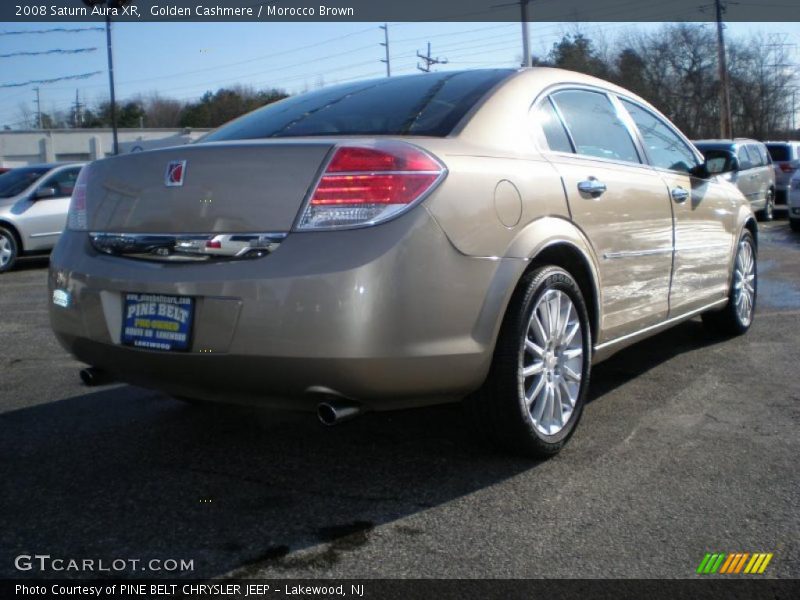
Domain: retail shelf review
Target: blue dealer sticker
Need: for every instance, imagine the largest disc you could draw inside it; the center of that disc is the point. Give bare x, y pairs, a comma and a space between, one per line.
157, 321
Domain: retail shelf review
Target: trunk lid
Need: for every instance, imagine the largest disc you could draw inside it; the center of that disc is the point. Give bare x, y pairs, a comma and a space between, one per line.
224, 187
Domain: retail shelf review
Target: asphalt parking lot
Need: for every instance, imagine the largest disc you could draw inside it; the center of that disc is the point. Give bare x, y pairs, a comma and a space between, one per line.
689, 445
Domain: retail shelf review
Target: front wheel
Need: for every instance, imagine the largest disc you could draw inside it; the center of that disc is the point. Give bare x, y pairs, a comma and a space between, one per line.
533, 397
737, 316
8, 250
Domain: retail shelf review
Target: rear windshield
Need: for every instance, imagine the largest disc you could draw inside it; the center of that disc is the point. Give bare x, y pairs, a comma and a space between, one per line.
17, 181
779, 151
429, 105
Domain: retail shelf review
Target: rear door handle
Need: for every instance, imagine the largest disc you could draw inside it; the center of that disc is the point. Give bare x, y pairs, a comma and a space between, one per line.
679, 194
592, 186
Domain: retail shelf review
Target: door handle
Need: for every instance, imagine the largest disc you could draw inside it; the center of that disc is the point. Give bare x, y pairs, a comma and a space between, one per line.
679, 194
592, 186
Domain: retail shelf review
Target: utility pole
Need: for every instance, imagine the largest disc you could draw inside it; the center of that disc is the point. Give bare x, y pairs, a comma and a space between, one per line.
385, 44
38, 108
429, 61
526, 42
111, 85
77, 114
779, 50
725, 117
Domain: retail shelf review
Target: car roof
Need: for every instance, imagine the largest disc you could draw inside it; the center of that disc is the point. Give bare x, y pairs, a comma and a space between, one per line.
716, 144
50, 165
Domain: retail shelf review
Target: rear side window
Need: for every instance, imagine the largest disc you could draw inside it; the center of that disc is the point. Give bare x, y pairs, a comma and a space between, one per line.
755, 156
779, 152
595, 128
430, 105
744, 159
763, 154
17, 181
553, 128
664, 147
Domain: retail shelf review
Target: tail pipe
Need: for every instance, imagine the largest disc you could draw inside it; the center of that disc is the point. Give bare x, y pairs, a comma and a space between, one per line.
334, 411
92, 376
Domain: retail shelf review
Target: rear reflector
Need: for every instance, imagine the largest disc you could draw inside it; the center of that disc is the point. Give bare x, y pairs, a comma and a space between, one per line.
365, 185
77, 218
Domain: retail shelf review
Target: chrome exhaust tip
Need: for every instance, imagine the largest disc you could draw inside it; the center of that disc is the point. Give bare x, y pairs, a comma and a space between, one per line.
334, 411
92, 376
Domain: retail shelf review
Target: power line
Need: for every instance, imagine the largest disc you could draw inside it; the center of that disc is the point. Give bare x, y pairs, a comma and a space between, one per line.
54, 30
47, 52
52, 80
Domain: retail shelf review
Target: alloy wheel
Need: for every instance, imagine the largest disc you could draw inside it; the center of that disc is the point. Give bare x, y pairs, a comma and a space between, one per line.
744, 282
6, 251
551, 362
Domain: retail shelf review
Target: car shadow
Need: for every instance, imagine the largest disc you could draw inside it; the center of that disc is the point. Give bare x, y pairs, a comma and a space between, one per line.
124, 473
647, 354
30, 263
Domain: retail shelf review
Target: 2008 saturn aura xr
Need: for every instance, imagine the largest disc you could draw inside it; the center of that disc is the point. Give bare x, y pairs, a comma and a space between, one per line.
485, 234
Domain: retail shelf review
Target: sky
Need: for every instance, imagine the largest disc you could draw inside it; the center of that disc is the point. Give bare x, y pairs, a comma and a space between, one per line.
184, 60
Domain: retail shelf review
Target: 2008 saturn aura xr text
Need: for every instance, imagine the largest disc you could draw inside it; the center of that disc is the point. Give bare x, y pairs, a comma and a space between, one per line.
384, 244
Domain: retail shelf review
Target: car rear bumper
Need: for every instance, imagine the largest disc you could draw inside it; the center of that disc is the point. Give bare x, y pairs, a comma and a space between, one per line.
388, 316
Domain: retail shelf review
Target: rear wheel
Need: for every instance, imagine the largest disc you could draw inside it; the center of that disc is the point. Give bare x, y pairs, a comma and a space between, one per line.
9, 250
737, 316
794, 224
533, 397
768, 212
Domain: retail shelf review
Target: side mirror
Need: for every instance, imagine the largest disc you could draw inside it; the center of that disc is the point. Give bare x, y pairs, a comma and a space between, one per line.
701, 171
45, 192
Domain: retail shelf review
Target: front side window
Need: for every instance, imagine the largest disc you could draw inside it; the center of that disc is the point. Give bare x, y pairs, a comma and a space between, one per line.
62, 182
595, 128
665, 148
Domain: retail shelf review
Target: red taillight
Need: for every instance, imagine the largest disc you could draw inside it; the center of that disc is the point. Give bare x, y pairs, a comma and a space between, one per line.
366, 159
787, 168
214, 244
77, 217
369, 184
372, 189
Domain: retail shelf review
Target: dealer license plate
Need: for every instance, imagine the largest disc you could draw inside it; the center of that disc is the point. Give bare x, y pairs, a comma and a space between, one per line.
157, 321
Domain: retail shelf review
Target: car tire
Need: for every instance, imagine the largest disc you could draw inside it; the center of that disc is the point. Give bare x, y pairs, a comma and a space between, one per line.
768, 212
737, 316
795, 224
541, 365
9, 250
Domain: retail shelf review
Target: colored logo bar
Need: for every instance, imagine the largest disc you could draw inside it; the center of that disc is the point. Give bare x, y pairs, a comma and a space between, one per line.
734, 563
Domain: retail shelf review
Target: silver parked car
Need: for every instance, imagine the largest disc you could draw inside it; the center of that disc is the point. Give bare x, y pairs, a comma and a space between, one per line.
786, 161
747, 164
33, 208
405, 241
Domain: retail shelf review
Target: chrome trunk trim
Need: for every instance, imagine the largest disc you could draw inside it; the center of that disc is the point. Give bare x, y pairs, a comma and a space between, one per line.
187, 247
